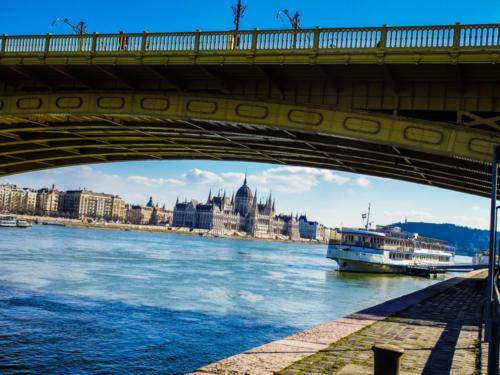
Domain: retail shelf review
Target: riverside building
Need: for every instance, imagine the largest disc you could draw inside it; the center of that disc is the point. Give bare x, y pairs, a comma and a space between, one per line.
17, 200
81, 204
150, 214
311, 229
241, 213
184, 213
47, 201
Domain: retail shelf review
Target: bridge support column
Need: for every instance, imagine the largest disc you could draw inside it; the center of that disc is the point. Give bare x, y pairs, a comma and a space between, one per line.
492, 296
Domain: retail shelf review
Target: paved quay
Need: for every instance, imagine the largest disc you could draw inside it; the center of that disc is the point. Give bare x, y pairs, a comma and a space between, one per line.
438, 327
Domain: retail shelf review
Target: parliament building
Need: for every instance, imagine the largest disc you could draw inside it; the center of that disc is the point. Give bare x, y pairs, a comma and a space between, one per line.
241, 213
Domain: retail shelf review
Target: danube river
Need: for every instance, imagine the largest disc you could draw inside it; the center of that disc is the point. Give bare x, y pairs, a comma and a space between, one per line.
93, 301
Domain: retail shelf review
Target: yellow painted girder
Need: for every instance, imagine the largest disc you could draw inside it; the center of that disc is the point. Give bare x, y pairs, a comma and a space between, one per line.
428, 137
339, 57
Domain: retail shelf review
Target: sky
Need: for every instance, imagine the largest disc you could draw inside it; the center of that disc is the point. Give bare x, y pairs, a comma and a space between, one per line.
331, 197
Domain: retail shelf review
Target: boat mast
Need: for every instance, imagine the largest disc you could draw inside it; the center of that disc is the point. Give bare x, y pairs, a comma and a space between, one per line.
368, 217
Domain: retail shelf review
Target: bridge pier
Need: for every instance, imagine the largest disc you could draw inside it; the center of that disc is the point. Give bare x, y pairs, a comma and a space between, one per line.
492, 306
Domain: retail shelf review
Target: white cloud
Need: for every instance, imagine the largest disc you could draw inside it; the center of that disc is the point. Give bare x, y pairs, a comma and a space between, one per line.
337, 179
198, 176
288, 182
155, 182
363, 181
289, 179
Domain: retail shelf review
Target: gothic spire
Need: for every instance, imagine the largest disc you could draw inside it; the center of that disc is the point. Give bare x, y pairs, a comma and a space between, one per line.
209, 196
245, 180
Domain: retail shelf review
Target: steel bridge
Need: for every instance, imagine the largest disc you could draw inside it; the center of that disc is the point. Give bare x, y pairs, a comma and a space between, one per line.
419, 104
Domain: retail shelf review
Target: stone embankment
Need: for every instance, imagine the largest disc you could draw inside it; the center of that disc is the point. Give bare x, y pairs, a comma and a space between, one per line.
438, 327
157, 228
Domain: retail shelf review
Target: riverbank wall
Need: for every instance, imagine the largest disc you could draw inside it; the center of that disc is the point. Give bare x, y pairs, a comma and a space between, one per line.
279, 354
154, 228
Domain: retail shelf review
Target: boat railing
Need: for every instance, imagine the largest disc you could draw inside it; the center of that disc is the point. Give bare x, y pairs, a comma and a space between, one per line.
364, 244
369, 245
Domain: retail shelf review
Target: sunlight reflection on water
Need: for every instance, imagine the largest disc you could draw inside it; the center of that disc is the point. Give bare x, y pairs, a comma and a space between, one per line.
94, 300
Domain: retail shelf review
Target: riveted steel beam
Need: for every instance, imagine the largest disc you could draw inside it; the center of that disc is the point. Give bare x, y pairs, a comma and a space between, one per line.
43, 130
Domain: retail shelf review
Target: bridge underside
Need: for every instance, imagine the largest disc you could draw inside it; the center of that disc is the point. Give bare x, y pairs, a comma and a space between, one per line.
429, 117
64, 144
69, 129
458, 93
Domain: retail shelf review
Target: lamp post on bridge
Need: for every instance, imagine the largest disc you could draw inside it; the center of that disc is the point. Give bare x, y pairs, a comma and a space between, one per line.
80, 28
238, 12
294, 22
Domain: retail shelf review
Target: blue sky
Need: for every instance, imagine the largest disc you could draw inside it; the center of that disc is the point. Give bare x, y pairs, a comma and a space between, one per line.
328, 196
30, 16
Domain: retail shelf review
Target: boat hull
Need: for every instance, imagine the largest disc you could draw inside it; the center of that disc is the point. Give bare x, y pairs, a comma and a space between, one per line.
23, 225
359, 259
8, 224
358, 266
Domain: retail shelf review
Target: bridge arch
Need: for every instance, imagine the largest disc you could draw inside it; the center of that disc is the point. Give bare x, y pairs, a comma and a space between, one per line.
40, 131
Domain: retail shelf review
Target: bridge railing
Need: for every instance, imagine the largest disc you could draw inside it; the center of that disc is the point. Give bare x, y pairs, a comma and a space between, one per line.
480, 36
64, 43
16, 44
284, 39
118, 42
368, 37
223, 41
317, 39
421, 37
159, 42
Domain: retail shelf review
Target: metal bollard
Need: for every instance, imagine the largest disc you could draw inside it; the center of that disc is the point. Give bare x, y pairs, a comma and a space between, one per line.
387, 359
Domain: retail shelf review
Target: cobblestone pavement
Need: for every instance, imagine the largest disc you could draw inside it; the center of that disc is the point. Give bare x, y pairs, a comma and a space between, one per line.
439, 335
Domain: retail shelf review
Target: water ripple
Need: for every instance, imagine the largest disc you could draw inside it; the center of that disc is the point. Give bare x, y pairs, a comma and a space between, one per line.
85, 301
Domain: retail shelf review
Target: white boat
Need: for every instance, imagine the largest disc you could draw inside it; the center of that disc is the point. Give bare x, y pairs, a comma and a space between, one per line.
481, 258
387, 250
23, 224
8, 221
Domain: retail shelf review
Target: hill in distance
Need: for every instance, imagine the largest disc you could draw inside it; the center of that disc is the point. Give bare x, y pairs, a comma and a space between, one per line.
466, 240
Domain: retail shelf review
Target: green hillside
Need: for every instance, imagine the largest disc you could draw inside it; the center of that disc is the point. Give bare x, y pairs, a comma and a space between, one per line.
465, 239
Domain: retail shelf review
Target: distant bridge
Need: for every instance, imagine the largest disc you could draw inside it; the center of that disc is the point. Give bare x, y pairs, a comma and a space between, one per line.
419, 104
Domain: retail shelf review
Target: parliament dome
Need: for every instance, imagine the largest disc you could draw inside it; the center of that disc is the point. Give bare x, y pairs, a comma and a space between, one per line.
243, 199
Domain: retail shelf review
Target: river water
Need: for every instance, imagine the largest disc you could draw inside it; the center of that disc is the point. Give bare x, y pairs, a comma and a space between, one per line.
100, 301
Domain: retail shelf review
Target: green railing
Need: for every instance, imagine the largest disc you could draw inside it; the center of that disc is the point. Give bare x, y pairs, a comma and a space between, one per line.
318, 39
